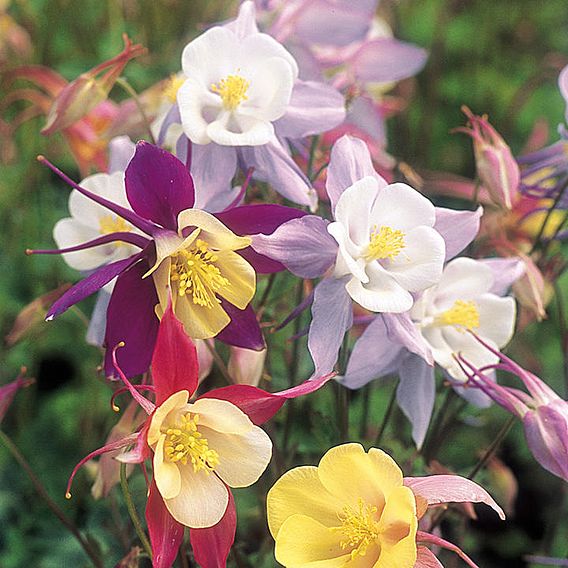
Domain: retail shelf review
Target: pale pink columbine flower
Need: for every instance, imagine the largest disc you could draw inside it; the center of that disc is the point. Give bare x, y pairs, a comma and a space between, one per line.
543, 413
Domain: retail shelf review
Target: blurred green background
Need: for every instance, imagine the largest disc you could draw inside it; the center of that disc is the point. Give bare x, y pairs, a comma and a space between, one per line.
500, 58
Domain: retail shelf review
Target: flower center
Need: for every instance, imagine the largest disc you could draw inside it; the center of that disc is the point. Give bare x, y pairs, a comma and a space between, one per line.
195, 272
232, 90
463, 315
172, 87
113, 224
358, 527
384, 243
184, 444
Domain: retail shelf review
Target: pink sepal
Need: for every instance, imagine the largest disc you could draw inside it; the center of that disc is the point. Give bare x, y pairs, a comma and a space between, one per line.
424, 537
211, 546
425, 559
260, 405
141, 450
166, 534
8, 392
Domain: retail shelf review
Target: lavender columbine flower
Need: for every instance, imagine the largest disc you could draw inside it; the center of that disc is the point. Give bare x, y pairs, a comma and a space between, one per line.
386, 243
200, 260
543, 413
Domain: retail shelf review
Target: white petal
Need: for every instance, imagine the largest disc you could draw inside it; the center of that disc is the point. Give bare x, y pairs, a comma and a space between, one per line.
258, 47
232, 129
242, 458
221, 415
197, 107
166, 473
173, 403
348, 261
496, 318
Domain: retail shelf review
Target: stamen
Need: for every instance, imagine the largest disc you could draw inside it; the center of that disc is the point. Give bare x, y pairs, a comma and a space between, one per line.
232, 90
359, 528
195, 273
384, 243
185, 444
172, 87
463, 315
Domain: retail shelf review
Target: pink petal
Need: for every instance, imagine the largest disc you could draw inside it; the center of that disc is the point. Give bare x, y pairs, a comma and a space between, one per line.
437, 541
8, 392
425, 559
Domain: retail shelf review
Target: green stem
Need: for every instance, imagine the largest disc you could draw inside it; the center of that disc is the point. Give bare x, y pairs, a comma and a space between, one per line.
132, 511
366, 393
312, 155
219, 362
85, 544
265, 294
386, 418
124, 84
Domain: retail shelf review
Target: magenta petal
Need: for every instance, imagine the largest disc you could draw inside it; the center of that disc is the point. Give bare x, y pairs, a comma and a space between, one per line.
131, 318
458, 228
90, 285
158, 185
243, 329
174, 363
254, 219
212, 545
166, 534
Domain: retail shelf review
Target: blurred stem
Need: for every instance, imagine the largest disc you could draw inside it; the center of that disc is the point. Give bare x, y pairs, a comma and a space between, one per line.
386, 418
265, 295
433, 441
547, 217
311, 157
125, 85
219, 362
85, 544
132, 511
366, 393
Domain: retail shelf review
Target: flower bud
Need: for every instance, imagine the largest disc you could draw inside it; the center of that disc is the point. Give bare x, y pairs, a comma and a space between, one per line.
246, 366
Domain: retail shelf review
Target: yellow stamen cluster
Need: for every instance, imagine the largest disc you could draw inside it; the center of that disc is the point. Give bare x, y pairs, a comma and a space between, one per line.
195, 273
384, 243
185, 444
463, 315
358, 527
172, 87
232, 90
113, 224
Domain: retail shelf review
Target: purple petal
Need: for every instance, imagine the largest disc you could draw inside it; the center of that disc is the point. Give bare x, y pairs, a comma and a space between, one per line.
365, 114
245, 23
274, 165
563, 86
302, 245
131, 318
474, 396
332, 316
314, 108
506, 271
90, 285
387, 59
402, 331
243, 329
158, 185
458, 228
120, 151
125, 237
415, 394
350, 161
374, 355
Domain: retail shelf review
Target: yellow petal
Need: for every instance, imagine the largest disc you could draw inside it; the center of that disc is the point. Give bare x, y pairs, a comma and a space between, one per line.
166, 474
402, 554
221, 415
242, 457
303, 542
214, 232
200, 322
398, 518
174, 402
241, 277
300, 491
390, 473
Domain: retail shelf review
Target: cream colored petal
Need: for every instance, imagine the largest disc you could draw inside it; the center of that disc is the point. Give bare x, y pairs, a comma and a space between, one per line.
166, 474
214, 232
202, 500
300, 491
242, 457
161, 277
200, 322
168, 243
241, 277
221, 415
302, 542
173, 403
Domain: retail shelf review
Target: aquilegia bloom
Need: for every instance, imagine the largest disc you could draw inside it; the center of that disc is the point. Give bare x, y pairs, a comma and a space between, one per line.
356, 510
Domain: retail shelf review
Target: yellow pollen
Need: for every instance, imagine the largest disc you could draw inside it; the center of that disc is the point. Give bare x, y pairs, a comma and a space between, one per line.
195, 272
172, 87
232, 90
358, 527
384, 243
185, 444
463, 315
113, 224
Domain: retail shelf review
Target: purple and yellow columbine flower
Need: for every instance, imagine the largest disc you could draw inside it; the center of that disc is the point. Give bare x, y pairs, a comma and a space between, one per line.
203, 261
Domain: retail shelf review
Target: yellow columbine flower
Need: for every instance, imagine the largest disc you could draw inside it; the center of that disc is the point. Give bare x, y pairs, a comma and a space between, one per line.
351, 511
201, 269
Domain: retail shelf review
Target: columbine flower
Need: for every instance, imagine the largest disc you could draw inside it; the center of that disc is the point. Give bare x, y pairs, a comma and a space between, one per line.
355, 509
184, 251
386, 243
543, 413
199, 448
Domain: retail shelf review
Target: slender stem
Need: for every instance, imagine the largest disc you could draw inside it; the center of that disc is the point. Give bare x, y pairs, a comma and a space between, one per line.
124, 84
311, 157
132, 511
265, 294
219, 362
432, 441
85, 544
366, 393
386, 418
319, 171
341, 392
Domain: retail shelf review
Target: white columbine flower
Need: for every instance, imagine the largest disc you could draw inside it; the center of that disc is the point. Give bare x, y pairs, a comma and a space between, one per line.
463, 301
388, 247
236, 87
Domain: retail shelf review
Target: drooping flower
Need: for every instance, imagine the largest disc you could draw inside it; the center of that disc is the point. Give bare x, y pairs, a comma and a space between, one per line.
355, 510
386, 243
185, 251
543, 413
